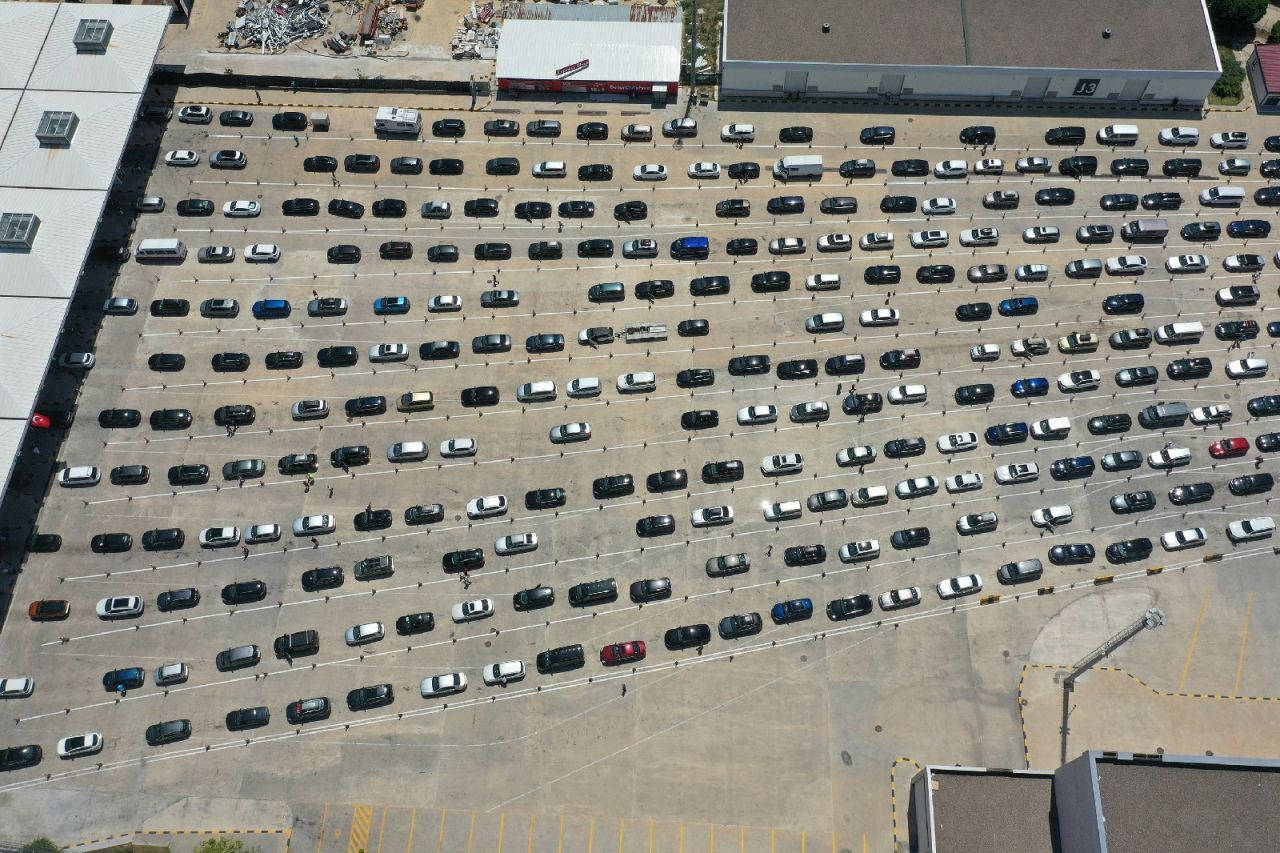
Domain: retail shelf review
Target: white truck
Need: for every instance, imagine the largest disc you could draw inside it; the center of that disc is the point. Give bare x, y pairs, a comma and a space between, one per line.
799, 167
641, 332
398, 120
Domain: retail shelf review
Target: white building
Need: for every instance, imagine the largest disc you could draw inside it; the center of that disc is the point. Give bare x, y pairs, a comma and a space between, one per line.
1083, 52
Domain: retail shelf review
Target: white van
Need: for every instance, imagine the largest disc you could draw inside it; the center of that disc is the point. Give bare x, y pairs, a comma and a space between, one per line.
416, 401
1051, 428
396, 120
908, 394
1222, 196
782, 510
1145, 229
536, 392
827, 321
82, 475
160, 250
407, 451
1118, 134
1180, 333
637, 133
550, 169
869, 495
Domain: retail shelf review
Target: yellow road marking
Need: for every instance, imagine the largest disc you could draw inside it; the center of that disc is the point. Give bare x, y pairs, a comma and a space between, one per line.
712, 848
531, 819
1244, 641
413, 819
560, 845
864, 842
742, 839
802, 841
681, 836
440, 837
773, 844
324, 818
502, 828
650, 835
591, 836
471, 832
382, 828
358, 834
622, 832
1195, 637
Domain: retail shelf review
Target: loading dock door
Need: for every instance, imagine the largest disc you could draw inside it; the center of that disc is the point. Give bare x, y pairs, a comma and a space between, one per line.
796, 82
891, 84
1133, 90
1035, 89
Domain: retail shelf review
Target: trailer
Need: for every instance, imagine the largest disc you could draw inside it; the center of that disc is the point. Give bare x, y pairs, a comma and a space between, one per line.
398, 120
640, 332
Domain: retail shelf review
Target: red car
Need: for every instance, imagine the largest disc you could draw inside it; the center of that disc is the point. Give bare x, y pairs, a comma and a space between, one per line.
49, 610
1225, 448
620, 653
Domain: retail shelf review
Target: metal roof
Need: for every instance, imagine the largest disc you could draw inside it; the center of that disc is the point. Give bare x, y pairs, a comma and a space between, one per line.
123, 67
1269, 62
616, 50
89, 163
24, 26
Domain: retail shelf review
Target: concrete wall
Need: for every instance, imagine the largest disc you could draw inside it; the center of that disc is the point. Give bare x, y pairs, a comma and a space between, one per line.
1075, 799
879, 82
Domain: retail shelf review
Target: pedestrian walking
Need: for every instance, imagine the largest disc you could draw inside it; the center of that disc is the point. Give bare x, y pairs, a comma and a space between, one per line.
258, 95
769, 551
624, 688
244, 549
331, 493
1257, 462
315, 294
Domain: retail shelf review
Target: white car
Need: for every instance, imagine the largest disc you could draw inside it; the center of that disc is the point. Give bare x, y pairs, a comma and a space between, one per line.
487, 506
951, 169
650, 172
642, 381
216, 255
861, 454
1216, 414
1052, 516
839, 242
16, 688
704, 170
219, 537
1032, 272
957, 442
738, 133
1186, 264
1033, 165
1169, 457
1249, 529
863, 549
1230, 139
711, 516
182, 157
969, 481
195, 114
1022, 472
388, 352
257, 534
444, 302
1242, 263
549, 169
916, 487
989, 166
314, 525
77, 360
1041, 234
765, 414
75, 746
467, 611
783, 463
827, 321
1079, 380
1247, 368
979, 236
515, 543
822, 281
900, 598
584, 386
1188, 537
369, 632
503, 673
933, 238
453, 448
787, 246
984, 352
940, 206
443, 685
879, 317
1235, 166
876, 240
243, 207
900, 394
959, 586
262, 253
565, 433
1126, 265
120, 607
642, 248
1179, 136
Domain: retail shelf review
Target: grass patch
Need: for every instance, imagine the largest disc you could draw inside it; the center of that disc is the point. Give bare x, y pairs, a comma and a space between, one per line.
1224, 102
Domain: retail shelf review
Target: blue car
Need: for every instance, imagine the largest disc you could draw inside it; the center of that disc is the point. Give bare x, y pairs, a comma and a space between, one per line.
123, 679
1245, 229
1072, 468
1124, 303
1036, 386
792, 611
1009, 433
1019, 306
391, 305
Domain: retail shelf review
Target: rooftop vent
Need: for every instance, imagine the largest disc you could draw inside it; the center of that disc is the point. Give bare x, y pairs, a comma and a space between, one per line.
18, 230
57, 128
92, 35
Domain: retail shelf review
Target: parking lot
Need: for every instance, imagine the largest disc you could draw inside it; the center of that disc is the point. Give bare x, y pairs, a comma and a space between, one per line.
791, 703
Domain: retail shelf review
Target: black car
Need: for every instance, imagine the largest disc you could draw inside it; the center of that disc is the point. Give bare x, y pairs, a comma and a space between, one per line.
974, 311
898, 204
700, 419
1123, 303
1128, 550
480, 395
798, 133
439, 350
372, 519
1119, 201
862, 404
349, 455
390, 208
248, 718
1072, 553
119, 418
194, 207
188, 475
725, 471
594, 130
284, 360
630, 211
655, 525
845, 364
1070, 135
1130, 166
324, 577
1078, 166
1251, 484
1055, 196
481, 207
543, 127
289, 121
1236, 330
502, 166
913, 168
445, 166
230, 362
373, 696
576, 209
879, 135
771, 281
320, 163
1108, 424
902, 448
613, 486
1006, 433
858, 169
909, 537
742, 246
1261, 407
337, 356
238, 414
492, 252
463, 560
849, 607
976, 394
346, 208
693, 328
744, 171
785, 204
300, 207
748, 365
501, 127
444, 253
663, 288
448, 128
1189, 368
423, 514
170, 419
415, 623
595, 172
1245, 229
1182, 167
1191, 493
374, 404
298, 463
170, 731
533, 210
882, 274
687, 636
235, 118
546, 342
244, 592
1072, 468
1201, 231
1162, 201
395, 250
804, 555
739, 625
545, 498
365, 164
650, 589
900, 359
1267, 196
672, 479
733, 207
306, 710
936, 274
406, 165
164, 539
178, 599
1268, 442
695, 377
167, 362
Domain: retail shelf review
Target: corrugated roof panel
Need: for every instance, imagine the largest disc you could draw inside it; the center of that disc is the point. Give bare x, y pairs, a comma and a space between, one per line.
28, 330
89, 162
617, 50
24, 26
1269, 62
126, 64
68, 220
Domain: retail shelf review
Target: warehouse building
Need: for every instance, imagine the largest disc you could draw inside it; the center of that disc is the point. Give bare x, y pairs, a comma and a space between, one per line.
70, 87
623, 50
1082, 53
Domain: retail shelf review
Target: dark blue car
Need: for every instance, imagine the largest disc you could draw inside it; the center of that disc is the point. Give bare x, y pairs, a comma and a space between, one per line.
127, 679
391, 305
1124, 303
1248, 228
792, 611
1019, 306
1036, 386
1072, 468
1007, 433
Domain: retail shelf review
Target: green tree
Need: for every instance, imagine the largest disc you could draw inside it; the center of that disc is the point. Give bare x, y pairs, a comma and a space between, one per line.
1230, 85
40, 845
1235, 14
222, 844
1274, 38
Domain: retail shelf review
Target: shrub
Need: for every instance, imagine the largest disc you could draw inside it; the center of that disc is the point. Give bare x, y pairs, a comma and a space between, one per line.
1230, 85
1235, 14
40, 845
1274, 38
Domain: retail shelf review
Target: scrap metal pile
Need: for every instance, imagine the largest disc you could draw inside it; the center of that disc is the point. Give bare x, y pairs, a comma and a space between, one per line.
273, 26
477, 38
